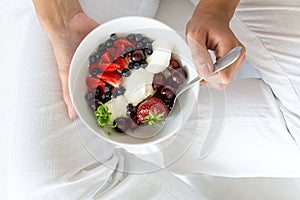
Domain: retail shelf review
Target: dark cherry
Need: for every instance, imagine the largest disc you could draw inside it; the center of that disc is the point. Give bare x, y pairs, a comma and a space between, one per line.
159, 81
182, 72
133, 123
167, 92
138, 55
174, 64
123, 124
94, 104
178, 77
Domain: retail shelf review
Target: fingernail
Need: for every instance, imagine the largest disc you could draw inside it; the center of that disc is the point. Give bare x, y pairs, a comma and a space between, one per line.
203, 71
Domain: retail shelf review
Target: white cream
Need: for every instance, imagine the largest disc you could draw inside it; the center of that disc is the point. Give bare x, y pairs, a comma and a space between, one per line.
138, 86
117, 106
159, 60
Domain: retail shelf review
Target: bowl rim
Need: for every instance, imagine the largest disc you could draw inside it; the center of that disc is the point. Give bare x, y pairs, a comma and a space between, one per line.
71, 85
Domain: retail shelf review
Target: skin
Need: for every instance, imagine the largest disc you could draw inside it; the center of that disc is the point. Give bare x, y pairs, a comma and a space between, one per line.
208, 29
66, 25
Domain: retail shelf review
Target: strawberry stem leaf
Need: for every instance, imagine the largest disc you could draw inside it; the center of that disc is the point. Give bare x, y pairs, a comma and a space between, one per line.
152, 119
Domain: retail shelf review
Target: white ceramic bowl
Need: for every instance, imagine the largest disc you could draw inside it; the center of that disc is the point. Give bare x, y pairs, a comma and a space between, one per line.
79, 72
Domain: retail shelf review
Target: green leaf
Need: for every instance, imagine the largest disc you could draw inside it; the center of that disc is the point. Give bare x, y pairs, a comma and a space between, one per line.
104, 117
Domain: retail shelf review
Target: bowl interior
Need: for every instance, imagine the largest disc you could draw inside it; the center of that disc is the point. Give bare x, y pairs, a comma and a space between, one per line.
154, 30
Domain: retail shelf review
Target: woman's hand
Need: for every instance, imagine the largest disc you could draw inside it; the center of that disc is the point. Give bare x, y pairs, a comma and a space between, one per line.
66, 25
208, 29
64, 44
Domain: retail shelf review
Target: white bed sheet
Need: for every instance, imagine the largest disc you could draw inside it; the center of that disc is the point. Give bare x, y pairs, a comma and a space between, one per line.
15, 17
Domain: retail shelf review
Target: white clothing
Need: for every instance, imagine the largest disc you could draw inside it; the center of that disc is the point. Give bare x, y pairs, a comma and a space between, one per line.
50, 160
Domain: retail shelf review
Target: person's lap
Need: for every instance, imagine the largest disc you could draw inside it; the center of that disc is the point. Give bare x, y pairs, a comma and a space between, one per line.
46, 143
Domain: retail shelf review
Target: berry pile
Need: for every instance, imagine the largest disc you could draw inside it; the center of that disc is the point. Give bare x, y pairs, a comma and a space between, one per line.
114, 61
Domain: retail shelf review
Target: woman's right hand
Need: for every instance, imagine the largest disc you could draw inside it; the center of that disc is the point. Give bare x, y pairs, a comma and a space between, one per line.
208, 29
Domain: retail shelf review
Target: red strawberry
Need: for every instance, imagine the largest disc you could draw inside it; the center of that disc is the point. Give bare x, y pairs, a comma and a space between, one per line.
123, 42
108, 67
93, 82
152, 111
106, 58
113, 78
122, 62
112, 52
120, 49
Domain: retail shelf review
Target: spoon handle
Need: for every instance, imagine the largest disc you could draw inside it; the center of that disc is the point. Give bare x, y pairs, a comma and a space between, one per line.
222, 63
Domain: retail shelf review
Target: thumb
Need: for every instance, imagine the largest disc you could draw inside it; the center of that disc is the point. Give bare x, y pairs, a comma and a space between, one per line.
201, 58
66, 95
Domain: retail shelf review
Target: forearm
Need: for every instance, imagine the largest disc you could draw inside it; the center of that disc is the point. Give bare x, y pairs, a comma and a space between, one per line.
54, 15
224, 9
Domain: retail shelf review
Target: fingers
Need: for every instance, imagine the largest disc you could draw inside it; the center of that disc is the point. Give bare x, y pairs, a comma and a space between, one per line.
64, 74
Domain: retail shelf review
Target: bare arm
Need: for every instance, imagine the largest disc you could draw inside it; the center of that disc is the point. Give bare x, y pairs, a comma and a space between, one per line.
66, 25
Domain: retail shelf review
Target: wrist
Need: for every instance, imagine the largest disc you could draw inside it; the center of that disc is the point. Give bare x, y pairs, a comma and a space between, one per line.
56, 15
221, 9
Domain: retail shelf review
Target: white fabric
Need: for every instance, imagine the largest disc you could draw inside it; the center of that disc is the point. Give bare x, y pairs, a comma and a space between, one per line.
48, 160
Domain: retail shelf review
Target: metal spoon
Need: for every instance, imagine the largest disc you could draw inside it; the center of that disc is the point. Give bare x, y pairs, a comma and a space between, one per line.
222, 63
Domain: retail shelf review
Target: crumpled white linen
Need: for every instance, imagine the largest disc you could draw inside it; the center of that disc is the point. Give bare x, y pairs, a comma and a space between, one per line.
49, 161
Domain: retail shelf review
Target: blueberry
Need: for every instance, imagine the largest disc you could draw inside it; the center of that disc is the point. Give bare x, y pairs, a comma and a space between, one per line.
129, 49
126, 72
120, 90
139, 45
123, 55
102, 48
149, 51
92, 58
107, 88
136, 65
129, 107
129, 113
148, 45
109, 43
114, 94
131, 37
113, 37
131, 65
107, 96
98, 55
143, 64
138, 37
97, 92
89, 96
145, 40
95, 71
